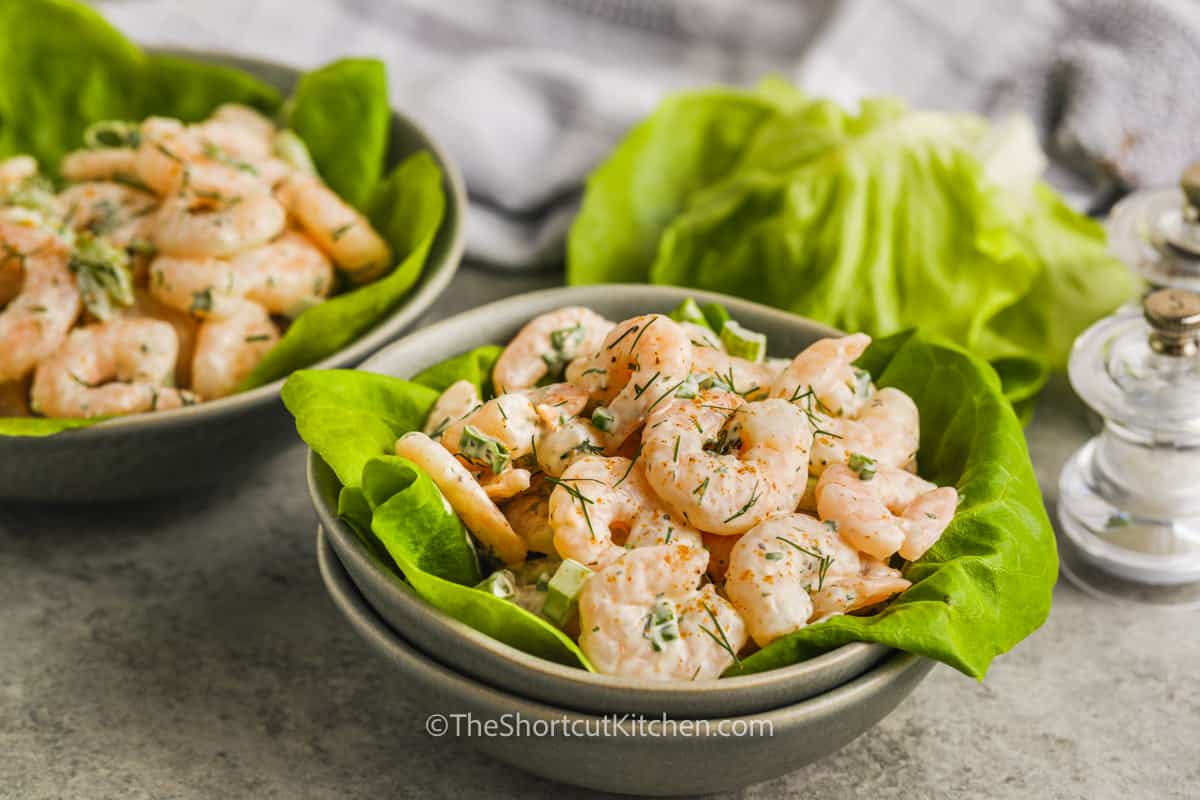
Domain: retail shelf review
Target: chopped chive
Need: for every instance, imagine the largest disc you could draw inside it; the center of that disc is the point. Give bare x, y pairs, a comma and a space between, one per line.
638, 391
749, 504
863, 465
340, 231
723, 641
627, 331
629, 469
824, 562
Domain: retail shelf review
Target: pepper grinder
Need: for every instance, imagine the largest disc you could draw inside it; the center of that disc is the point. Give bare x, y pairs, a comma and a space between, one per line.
1129, 499
1157, 232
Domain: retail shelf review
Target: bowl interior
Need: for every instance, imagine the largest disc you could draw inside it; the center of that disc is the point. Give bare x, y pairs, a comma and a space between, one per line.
496, 323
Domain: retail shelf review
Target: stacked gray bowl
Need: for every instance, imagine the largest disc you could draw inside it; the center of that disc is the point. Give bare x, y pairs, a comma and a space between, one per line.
810, 709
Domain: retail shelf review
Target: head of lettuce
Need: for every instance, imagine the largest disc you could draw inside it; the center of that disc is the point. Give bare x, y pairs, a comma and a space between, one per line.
874, 221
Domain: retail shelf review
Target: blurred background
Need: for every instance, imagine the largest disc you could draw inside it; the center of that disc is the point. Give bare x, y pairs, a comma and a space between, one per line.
528, 95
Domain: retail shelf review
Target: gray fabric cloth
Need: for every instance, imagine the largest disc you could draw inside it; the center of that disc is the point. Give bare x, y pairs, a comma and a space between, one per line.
529, 96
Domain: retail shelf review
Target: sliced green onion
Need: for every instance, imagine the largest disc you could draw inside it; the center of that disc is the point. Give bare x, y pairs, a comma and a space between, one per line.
564, 346
863, 465
689, 388
112, 133
603, 419
744, 343
662, 624
481, 448
688, 311
716, 315
35, 193
501, 583
102, 275
290, 148
562, 592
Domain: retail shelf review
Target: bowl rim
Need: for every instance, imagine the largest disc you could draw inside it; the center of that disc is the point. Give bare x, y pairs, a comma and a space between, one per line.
430, 284
371, 626
335, 527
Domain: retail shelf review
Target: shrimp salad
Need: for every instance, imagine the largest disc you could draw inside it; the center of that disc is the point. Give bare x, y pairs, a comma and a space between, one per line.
169, 264
673, 498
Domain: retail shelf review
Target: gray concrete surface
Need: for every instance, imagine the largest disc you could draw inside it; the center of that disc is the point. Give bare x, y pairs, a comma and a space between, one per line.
186, 649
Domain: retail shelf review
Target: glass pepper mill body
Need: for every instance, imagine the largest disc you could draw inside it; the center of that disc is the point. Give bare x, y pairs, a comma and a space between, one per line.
1129, 500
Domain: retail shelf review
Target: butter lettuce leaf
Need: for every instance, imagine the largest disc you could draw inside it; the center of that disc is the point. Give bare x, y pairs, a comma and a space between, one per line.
352, 419
874, 221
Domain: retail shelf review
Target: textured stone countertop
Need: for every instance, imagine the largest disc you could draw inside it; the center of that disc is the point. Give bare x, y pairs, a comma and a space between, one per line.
186, 649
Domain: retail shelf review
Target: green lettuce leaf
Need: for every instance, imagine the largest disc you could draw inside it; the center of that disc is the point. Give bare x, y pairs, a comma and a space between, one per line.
415, 524
341, 112
352, 420
987, 583
64, 67
407, 208
981, 589
877, 221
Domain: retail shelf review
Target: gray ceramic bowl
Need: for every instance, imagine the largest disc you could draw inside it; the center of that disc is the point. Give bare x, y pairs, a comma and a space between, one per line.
476, 654
221, 441
681, 762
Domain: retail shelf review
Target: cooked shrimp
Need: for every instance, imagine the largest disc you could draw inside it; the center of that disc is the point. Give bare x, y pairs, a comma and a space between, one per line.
15, 171
224, 226
645, 616
887, 430
248, 119
146, 305
824, 371
114, 210
123, 366
776, 567
456, 402
464, 494
703, 336
101, 164
925, 519
516, 420
36, 321
206, 288
546, 345
565, 444
285, 276
746, 378
724, 464
507, 485
601, 506
336, 227
874, 583
879, 512
644, 360
228, 350
529, 516
232, 137
892, 418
